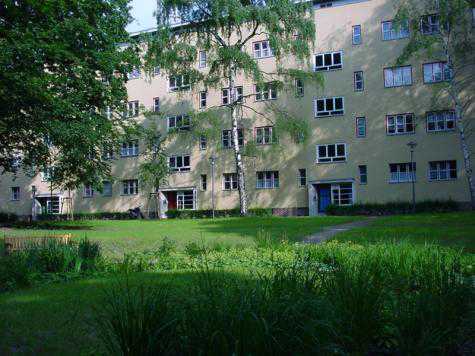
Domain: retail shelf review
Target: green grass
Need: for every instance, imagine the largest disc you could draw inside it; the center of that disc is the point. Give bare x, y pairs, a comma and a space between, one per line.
117, 237
450, 229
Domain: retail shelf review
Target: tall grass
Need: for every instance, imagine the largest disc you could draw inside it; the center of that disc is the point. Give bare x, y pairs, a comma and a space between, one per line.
330, 299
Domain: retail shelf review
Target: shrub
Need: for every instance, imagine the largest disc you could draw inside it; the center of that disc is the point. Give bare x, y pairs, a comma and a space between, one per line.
203, 214
8, 217
393, 208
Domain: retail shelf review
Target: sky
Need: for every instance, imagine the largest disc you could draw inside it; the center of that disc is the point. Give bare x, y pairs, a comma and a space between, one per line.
142, 11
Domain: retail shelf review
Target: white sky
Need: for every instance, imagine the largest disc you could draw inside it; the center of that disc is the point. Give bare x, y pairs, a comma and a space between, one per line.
142, 11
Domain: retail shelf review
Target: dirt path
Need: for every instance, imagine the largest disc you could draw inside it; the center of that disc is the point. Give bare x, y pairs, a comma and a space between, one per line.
328, 232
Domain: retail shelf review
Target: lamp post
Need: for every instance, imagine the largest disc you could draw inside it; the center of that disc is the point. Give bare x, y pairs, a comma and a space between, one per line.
412, 145
212, 160
33, 203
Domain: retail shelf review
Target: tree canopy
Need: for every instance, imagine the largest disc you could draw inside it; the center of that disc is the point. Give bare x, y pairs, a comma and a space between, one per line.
62, 92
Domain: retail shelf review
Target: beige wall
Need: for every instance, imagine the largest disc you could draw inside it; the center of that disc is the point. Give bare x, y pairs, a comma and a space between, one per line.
376, 150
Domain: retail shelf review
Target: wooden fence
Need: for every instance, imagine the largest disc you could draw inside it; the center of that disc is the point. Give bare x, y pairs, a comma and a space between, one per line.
17, 243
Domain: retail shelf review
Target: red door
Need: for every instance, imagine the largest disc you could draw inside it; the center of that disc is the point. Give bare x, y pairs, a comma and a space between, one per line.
171, 197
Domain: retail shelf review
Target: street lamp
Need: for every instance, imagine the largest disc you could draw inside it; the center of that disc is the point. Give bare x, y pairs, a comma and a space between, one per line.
412, 145
212, 160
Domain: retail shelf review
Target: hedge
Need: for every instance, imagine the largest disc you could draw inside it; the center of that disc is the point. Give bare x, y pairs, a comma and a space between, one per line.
208, 213
394, 208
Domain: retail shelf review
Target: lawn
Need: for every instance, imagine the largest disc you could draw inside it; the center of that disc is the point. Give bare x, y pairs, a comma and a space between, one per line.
451, 229
117, 237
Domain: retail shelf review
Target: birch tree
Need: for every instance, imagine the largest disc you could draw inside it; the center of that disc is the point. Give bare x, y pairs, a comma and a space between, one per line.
224, 30
444, 30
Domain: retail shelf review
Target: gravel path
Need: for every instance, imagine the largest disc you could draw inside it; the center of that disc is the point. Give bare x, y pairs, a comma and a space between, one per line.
328, 232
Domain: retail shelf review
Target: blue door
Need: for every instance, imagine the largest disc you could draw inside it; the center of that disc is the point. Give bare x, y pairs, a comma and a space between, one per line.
324, 198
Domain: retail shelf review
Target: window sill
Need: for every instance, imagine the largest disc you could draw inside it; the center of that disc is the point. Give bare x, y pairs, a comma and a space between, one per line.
398, 86
408, 182
440, 131
327, 70
14, 200
335, 162
325, 116
442, 180
401, 134
267, 188
264, 100
264, 57
129, 156
129, 195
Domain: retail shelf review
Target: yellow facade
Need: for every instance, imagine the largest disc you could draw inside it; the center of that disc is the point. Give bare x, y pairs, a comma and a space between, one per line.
376, 150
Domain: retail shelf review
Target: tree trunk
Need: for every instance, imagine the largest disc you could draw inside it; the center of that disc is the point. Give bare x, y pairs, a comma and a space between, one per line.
237, 149
466, 155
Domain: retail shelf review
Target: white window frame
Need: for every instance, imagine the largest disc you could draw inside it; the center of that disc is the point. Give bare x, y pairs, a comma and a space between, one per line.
436, 72
264, 92
358, 81
203, 99
356, 38
226, 97
398, 124
406, 175
363, 172
133, 108
360, 124
342, 194
156, 104
433, 23
327, 112
129, 148
337, 158
202, 59
262, 49
183, 200
302, 178
178, 83
227, 138
180, 122
328, 57
395, 77
440, 121
265, 135
15, 194
389, 32
130, 187
176, 163
230, 181
442, 170
267, 180
88, 191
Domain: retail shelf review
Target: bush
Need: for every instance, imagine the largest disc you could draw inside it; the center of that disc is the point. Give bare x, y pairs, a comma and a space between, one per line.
394, 208
8, 217
202, 214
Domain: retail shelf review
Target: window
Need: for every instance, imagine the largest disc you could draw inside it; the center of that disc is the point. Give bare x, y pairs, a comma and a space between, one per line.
358, 81
204, 182
400, 124
265, 135
440, 121
203, 99
357, 35
15, 194
299, 88
302, 178
442, 170
130, 149
107, 153
397, 76
133, 108
328, 61
363, 171
329, 107
342, 194
185, 200
202, 59
130, 187
227, 138
179, 163
230, 181
156, 104
156, 71
106, 189
88, 191
322, 5
266, 91
402, 172
203, 143
262, 49
430, 24
267, 180
179, 122
436, 72
134, 74
178, 82
360, 127
395, 31
331, 153
226, 97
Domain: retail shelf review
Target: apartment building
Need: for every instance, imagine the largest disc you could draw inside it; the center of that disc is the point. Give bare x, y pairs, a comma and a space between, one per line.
360, 122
